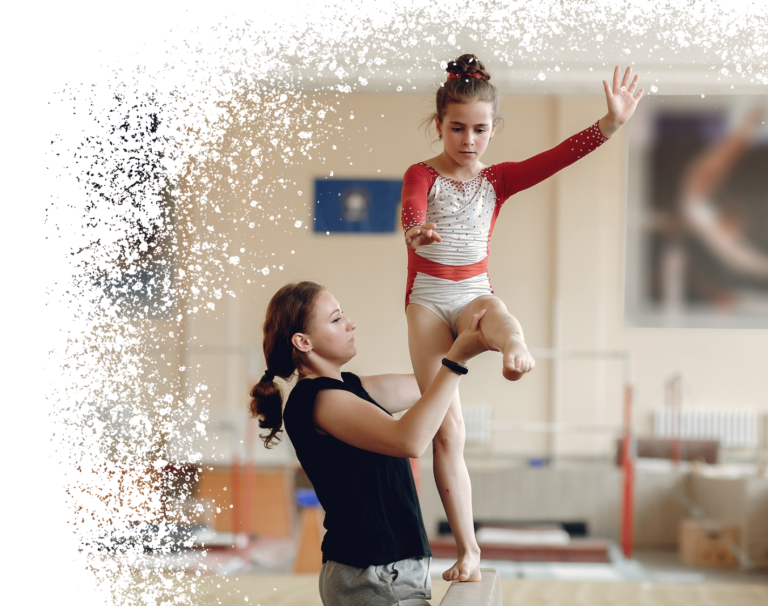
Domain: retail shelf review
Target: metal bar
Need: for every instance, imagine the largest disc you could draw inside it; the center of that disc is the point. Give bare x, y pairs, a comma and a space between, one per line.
235, 479
628, 470
249, 486
675, 405
555, 386
554, 427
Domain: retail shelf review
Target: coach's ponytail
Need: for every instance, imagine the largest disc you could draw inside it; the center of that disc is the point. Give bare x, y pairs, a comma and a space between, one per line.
290, 311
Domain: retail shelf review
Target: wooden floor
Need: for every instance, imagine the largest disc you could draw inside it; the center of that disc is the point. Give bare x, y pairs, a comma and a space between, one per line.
301, 590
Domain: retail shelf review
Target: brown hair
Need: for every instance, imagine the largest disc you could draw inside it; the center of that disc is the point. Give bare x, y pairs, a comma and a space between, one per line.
465, 88
290, 310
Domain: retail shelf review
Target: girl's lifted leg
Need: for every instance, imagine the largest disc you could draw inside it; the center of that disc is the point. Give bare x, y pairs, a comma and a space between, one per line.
502, 332
429, 339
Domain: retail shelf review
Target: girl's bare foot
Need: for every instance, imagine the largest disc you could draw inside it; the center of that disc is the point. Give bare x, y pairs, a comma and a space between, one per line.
517, 360
466, 568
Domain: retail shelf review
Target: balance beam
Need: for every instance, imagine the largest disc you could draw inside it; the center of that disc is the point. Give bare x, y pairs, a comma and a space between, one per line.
485, 593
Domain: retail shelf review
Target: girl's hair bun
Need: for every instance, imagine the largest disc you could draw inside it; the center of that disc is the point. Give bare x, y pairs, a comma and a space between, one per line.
466, 64
460, 87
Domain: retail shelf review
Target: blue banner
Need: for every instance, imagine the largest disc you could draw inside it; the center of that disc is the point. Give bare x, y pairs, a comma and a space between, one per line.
360, 205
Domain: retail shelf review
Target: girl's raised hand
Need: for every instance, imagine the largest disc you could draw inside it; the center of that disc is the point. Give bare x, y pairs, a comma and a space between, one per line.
622, 100
419, 235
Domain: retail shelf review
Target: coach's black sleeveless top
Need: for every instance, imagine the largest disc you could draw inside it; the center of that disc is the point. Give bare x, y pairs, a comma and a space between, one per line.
372, 514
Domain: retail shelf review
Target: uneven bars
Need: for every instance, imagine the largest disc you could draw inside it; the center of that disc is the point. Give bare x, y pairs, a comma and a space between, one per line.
628, 442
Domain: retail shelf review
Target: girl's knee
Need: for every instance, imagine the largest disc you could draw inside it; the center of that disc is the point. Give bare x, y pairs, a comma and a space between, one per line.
451, 434
495, 305
492, 304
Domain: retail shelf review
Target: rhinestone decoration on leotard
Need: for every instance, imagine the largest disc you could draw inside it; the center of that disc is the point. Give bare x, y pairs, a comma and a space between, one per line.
592, 139
412, 218
462, 212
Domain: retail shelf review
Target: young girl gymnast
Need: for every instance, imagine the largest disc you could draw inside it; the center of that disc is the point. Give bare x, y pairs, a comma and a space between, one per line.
450, 205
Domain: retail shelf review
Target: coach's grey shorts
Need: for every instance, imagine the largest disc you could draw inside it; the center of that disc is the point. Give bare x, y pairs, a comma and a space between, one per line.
401, 583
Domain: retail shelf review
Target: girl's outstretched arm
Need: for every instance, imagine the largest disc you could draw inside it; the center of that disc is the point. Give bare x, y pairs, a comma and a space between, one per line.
622, 98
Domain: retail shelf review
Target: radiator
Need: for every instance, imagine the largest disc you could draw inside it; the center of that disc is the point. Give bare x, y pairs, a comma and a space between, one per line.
732, 428
477, 423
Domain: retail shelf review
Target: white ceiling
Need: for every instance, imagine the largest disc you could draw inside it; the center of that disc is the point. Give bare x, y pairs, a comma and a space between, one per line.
573, 60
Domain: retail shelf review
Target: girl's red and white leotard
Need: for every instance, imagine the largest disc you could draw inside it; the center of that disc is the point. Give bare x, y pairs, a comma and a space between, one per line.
465, 211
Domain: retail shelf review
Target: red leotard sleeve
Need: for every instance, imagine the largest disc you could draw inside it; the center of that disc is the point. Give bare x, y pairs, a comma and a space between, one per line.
512, 177
417, 183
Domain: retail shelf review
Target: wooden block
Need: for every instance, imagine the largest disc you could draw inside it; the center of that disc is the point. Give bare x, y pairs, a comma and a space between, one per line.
743, 502
485, 593
309, 557
271, 502
705, 543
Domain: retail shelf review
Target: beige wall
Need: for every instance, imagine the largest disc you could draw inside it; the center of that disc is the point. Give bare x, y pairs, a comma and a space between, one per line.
560, 241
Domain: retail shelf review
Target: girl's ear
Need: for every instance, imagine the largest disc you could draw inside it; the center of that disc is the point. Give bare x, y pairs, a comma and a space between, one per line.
438, 127
301, 342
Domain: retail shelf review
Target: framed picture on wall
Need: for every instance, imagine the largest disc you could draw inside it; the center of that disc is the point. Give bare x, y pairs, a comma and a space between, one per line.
697, 217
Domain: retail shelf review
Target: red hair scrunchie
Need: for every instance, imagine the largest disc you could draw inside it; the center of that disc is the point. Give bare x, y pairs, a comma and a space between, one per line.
452, 76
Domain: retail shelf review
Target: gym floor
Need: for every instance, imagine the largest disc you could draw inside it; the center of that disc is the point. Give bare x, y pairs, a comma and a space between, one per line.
653, 578
301, 590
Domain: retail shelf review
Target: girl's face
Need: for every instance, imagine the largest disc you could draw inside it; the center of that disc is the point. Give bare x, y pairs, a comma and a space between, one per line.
466, 129
331, 337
